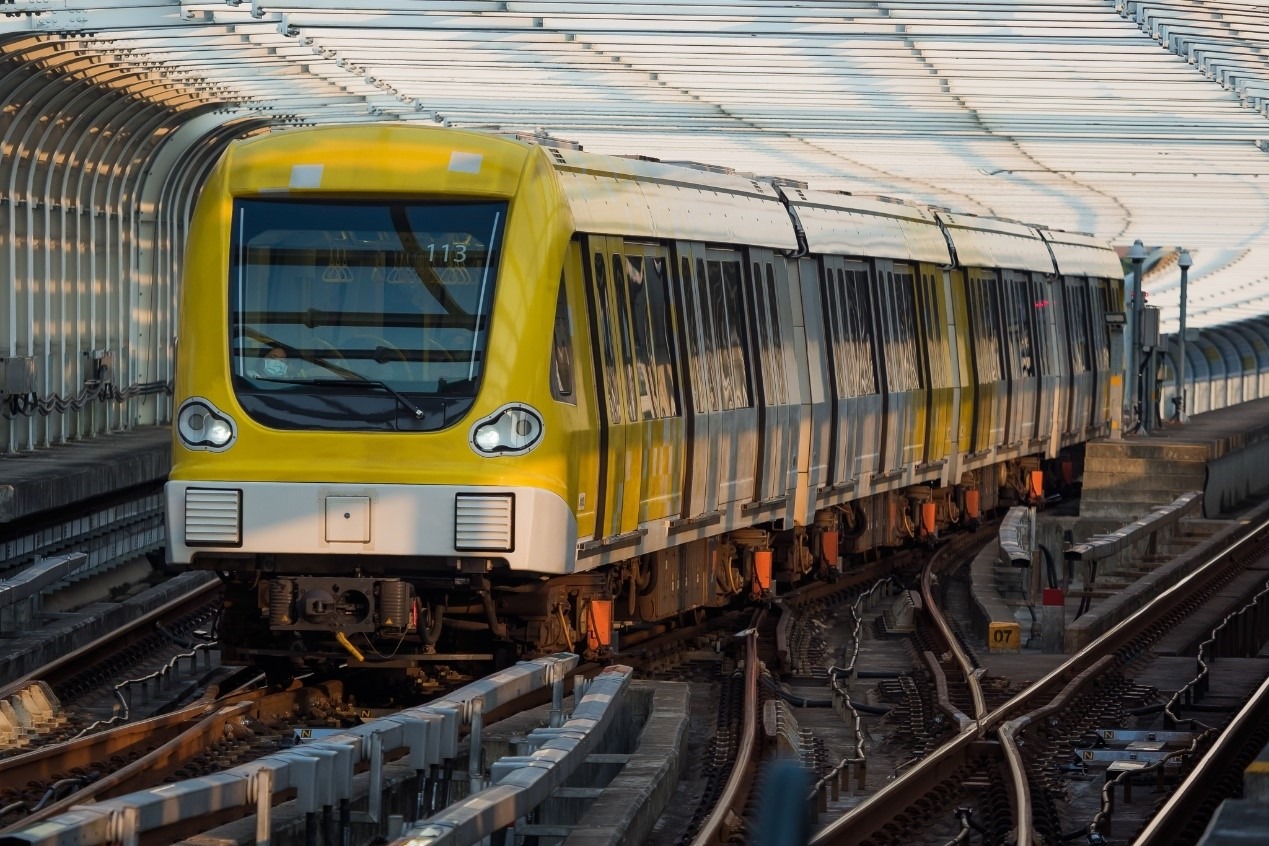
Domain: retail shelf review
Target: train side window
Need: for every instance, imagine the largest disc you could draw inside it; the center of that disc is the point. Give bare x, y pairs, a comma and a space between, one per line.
717, 301
697, 349
1077, 321
1041, 313
1098, 319
562, 350
895, 328
762, 328
905, 331
856, 329
781, 393
834, 339
935, 336
666, 386
1017, 338
603, 315
719, 393
733, 330
847, 366
863, 342
983, 307
623, 332
641, 330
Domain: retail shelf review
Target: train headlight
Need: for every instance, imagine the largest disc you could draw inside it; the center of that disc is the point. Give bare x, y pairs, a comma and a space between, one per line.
201, 425
513, 429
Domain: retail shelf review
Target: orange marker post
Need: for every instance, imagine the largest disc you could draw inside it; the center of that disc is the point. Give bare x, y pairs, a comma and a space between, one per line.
828, 546
599, 632
762, 571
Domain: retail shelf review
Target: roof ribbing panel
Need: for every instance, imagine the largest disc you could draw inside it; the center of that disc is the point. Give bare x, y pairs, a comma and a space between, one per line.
1126, 119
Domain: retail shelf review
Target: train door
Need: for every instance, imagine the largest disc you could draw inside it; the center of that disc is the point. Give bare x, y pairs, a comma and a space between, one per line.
579, 387
774, 414
1020, 359
718, 290
965, 392
1083, 378
1102, 298
990, 405
933, 311
700, 496
1047, 367
622, 460
815, 415
643, 269
1065, 404
903, 426
856, 404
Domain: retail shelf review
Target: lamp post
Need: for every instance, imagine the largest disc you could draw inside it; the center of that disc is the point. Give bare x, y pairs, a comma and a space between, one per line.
1131, 361
1184, 262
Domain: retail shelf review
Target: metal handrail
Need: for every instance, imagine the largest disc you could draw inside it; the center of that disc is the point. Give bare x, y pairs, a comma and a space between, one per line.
522, 783
321, 773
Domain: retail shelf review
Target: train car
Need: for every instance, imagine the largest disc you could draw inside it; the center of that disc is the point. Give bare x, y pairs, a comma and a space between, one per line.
446, 393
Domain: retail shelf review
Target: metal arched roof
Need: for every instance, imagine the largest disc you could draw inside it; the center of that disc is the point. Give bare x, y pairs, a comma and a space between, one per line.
1129, 120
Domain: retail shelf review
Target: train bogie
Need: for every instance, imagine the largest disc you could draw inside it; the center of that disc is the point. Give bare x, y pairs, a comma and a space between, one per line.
441, 390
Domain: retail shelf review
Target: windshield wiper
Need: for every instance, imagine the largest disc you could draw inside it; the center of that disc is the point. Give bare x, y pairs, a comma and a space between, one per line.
344, 383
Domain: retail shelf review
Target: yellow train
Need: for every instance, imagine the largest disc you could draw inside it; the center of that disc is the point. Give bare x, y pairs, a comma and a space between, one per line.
442, 392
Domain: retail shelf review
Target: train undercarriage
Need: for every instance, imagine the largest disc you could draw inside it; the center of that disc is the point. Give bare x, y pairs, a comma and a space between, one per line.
286, 613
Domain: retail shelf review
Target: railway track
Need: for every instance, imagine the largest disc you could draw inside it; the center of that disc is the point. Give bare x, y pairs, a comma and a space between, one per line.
1015, 749
995, 774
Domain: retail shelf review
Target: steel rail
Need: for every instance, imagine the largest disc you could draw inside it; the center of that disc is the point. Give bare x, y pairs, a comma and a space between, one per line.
174, 750
870, 815
1186, 801
519, 784
739, 783
1020, 788
46, 761
949, 637
317, 771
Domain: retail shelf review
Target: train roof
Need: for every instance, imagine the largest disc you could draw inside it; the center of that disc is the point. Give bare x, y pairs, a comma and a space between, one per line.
841, 224
989, 242
641, 198
1078, 254
637, 197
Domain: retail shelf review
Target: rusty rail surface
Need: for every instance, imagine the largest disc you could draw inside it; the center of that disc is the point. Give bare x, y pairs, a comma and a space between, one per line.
945, 629
739, 784
169, 742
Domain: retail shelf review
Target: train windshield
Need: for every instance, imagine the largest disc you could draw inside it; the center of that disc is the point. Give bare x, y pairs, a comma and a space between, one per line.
356, 316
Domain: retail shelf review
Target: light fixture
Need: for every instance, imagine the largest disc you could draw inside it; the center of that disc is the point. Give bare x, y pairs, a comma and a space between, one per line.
200, 425
513, 429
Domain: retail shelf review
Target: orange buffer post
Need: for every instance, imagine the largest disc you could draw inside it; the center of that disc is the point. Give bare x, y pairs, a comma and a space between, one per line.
828, 546
971, 504
1037, 485
929, 518
599, 632
761, 571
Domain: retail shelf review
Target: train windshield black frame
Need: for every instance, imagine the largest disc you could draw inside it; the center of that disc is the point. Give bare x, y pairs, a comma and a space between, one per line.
392, 296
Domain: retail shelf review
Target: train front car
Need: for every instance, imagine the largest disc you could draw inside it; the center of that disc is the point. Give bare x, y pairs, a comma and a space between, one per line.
350, 446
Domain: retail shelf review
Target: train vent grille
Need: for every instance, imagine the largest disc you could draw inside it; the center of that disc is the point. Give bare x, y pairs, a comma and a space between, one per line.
213, 517
484, 522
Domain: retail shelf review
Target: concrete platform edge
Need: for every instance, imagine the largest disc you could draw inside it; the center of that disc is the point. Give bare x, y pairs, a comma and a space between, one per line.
68, 474
987, 606
20, 657
1113, 610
